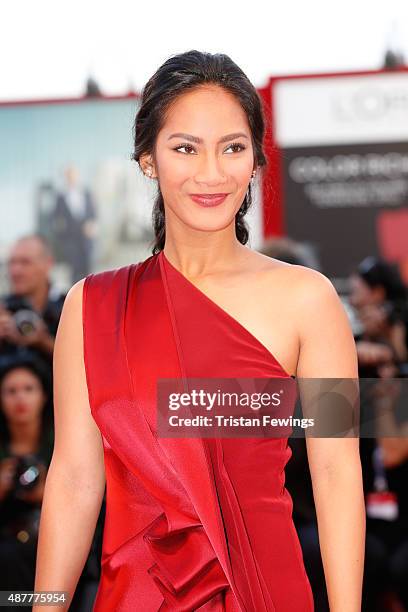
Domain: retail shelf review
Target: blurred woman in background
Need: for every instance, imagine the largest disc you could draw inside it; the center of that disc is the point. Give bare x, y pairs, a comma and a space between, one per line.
26, 441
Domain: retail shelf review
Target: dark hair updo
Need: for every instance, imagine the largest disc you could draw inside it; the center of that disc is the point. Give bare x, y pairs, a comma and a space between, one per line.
179, 74
376, 271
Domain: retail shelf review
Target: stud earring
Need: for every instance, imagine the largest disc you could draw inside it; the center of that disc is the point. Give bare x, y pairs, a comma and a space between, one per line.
253, 174
149, 172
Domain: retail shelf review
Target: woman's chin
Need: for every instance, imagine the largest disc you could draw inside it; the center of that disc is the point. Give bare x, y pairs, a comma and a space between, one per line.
213, 225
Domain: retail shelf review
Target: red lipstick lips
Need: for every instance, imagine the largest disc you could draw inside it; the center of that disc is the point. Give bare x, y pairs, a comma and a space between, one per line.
208, 199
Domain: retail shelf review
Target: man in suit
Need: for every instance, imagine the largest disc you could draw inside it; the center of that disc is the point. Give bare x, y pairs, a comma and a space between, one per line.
74, 224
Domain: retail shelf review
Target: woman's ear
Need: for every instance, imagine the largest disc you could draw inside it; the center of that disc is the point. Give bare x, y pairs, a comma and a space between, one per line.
147, 166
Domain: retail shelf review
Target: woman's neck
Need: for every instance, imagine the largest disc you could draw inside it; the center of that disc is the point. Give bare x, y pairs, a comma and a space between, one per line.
197, 261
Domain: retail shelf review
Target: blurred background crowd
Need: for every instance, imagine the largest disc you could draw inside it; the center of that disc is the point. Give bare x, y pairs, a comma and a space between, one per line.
334, 197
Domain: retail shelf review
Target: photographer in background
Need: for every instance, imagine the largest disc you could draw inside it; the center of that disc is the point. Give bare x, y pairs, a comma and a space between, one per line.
26, 443
29, 315
379, 297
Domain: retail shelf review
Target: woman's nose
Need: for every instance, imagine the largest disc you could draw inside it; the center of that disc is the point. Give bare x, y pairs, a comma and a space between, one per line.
210, 170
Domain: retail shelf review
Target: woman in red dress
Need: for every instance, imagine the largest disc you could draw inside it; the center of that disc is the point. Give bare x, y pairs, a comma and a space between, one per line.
196, 523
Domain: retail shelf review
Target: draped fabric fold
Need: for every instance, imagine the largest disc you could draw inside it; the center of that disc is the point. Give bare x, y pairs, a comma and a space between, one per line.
186, 568
190, 523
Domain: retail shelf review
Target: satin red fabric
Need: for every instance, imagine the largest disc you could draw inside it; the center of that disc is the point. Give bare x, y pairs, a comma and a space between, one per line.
191, 524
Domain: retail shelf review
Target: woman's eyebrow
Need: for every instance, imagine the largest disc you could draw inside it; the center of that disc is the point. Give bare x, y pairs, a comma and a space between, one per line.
198, 140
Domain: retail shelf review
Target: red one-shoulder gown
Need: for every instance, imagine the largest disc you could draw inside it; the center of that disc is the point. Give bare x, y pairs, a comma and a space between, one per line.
191, 523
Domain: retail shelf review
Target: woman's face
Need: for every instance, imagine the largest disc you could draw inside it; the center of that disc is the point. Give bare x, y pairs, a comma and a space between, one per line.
204, 147
22, 397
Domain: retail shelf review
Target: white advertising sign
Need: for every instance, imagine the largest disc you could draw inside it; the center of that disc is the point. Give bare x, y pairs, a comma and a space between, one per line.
353, 110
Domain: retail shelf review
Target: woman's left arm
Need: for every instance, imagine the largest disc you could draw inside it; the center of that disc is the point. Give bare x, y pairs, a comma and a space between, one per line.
327, 350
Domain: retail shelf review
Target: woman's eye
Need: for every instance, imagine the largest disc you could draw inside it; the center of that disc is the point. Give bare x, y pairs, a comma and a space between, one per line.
184, 146
238, 147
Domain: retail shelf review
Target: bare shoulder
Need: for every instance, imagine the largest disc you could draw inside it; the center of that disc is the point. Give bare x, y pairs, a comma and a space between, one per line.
307, 285
71, 315
313, 296
77, 288
75, 294
304, 283
314, 312
327, 346
316, 298
310, 286
69, 337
